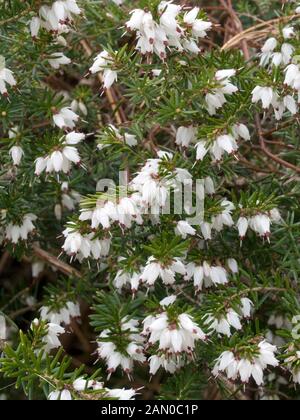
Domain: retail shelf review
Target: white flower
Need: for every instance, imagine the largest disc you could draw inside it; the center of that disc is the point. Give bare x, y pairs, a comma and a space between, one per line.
209, 185
275, 215
35, 25
155, 36
78, 105
65, 118
183, 229
263, 94
60, 395
288, 32
185, 135
152, 188
216, 98
14, 233
154, 269
199, 26
61, 316
202, 150
291, 104
123, 278
242, 225
292, 363
51, 340
206, 230
16, 153
261, 225
130, 139
36, 268
55, 18
167, 301
58, 59
224, 218
241, 130
103, 63
246, 306
233, 265
292, 76
13, 132
267, 51
6, 78
2, 328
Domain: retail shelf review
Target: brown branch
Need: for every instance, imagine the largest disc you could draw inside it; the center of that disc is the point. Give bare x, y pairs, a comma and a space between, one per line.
253, 30
280, 144
55, 262
3, 261
238, 25
267, 152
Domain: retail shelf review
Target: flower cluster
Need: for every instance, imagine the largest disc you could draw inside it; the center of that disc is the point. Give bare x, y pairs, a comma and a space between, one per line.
222, 323
81, 385
123, 278
16, 232
174, 335
167, 272
223, 143
62, 157
172, 31
207, 275
245, 367
84, 246
259, 223
123, 211
281, 57
114, 357
50, 340
284, 56
55, 18
65, 119
222, 86
154, 182
103, 62
62, 316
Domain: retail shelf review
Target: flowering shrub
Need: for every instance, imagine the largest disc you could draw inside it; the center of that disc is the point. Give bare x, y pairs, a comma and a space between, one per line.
149, 199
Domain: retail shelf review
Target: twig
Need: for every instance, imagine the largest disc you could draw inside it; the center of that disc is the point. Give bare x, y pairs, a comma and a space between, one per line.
55, 262
261, 289
4, 258
238, 26
264, 148
23, 311
14, 18
14, 298
249, 32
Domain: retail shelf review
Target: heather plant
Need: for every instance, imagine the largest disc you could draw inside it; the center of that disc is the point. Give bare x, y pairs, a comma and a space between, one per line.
149, 198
